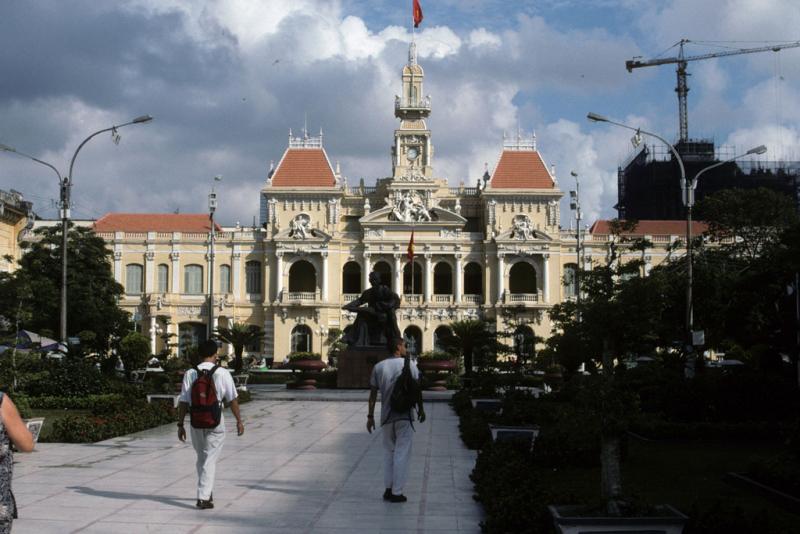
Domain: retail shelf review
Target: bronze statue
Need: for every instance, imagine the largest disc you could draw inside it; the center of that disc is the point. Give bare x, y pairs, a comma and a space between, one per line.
376, 324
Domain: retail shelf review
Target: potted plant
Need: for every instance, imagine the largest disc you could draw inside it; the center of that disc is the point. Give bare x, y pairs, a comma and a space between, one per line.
309, 364
436, 365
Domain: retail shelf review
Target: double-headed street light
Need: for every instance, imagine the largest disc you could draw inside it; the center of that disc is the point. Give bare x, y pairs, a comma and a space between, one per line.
65, 185
687, 188
575, 205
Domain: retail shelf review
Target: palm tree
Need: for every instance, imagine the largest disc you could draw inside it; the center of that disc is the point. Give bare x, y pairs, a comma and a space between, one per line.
240, 335
469, 336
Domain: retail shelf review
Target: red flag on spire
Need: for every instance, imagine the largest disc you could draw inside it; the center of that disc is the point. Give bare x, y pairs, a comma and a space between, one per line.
417, 14
411, 247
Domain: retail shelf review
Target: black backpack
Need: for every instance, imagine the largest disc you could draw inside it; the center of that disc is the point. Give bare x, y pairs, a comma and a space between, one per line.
406, 390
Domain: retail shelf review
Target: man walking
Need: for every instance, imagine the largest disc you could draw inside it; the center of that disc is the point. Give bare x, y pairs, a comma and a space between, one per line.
207, 442
397, 427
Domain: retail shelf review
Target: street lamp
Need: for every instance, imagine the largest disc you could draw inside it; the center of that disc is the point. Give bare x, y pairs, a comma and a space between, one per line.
212, 207
575, 205
636, 140
65, 185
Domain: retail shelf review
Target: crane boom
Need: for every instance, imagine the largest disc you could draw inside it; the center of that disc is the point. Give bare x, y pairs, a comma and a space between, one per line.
683, 88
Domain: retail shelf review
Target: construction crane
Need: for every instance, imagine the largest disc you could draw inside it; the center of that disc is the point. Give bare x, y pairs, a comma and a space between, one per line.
683, 89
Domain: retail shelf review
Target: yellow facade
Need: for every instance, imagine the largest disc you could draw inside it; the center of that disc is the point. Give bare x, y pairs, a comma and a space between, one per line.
15, 214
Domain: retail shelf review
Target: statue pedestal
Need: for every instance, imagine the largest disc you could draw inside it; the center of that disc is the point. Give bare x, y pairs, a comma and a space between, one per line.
354, 367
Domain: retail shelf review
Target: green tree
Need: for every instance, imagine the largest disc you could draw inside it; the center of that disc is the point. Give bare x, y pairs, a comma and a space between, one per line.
473, 340
335, 342
134, 350
240, 335
92, 292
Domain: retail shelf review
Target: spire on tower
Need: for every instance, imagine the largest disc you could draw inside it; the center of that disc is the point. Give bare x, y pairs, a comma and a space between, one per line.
412, 53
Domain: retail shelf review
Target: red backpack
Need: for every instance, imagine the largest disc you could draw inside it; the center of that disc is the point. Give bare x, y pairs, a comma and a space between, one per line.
206, 408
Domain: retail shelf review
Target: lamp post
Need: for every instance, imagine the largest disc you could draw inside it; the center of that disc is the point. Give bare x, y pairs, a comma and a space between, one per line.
212, 207
575, 205
65, 185
636, 140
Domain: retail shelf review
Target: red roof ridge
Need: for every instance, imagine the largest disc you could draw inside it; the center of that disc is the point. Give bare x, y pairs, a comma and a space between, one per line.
296, 170
153, 222
521, 169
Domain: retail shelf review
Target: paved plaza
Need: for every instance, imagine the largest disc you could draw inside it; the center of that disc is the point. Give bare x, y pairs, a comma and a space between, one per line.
302, 466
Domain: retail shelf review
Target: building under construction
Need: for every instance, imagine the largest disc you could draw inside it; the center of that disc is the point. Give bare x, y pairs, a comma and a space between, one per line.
648, 184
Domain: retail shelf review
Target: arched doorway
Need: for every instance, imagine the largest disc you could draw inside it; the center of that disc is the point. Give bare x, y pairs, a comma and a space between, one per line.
301, 339
473, 279
302, 277
385, 272
412, 286
190, 335
351, 278
442, 279
523, 343
439, 335
522, 278
413, 337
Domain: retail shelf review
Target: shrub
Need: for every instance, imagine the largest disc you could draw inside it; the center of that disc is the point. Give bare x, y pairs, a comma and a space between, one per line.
297, 356
134, 351
782, 472
51, 402
245, 396
111, 419
69, 378
724, 518
436, 355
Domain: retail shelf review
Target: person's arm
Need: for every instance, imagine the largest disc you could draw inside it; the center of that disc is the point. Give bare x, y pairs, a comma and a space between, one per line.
420, 409
18, 433
183, 407
373, 398
235, 411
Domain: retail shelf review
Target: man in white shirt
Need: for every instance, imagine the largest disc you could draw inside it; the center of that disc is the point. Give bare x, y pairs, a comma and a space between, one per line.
398, 429
207, 442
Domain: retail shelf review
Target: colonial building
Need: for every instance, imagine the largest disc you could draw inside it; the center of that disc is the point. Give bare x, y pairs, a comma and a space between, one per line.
495, 251
15, 215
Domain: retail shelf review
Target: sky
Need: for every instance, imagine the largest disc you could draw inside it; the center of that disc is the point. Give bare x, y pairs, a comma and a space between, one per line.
226, 80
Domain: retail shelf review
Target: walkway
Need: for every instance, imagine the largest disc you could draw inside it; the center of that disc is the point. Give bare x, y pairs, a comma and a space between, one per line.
301, 467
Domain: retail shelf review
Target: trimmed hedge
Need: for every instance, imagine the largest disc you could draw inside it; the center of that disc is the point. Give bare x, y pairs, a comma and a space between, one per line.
111, 419
50, 402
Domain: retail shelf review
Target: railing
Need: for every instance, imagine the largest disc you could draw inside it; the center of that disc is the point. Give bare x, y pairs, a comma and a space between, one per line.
442, 299
472, 299
136, 235
412, 298
164, 235
298, 297
350, 297
522, 298
407, 103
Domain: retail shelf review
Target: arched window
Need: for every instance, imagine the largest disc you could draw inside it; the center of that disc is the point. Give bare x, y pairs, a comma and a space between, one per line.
302, 277
224, 278
442, 279
439, 335
193, 279
252, 271
522, 278
473, 279
570, 280
133, 279
413, 337
163, 278
385, 271
351, 277
301, 338
410, 288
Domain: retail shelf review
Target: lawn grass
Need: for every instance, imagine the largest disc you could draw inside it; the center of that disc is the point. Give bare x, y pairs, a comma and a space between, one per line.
683, 473
50, 417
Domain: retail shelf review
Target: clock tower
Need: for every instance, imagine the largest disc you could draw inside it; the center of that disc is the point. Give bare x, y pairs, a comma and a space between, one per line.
412, 150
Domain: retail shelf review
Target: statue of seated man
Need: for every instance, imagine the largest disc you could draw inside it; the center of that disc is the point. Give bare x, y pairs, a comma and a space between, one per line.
376, 324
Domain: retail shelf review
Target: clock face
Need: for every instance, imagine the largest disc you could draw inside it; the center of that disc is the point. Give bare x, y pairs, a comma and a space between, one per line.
412, 154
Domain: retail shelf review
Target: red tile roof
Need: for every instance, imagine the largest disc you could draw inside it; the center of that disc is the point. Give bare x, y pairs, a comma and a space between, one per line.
652, 228
521, 169
304, 167
154, 222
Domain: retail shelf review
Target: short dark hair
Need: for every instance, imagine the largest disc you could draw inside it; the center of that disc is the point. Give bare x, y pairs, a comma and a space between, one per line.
396, 342
207, 348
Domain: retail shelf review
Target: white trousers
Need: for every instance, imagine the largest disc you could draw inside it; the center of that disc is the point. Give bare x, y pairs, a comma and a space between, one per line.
396, 454
207, 444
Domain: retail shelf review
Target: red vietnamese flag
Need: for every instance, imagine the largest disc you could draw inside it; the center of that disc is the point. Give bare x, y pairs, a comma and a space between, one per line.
411, 247
417, 14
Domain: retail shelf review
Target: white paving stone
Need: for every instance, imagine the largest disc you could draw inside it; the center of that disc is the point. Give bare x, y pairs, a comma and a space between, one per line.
302, 466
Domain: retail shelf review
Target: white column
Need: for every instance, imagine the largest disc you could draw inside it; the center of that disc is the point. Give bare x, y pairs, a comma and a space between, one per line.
236, 274
175, 256
118, 264
546, 276
366, 269
459, 278
278, 274
149, 271
398, 275
428, 278
324, 276
500, 268
152, 334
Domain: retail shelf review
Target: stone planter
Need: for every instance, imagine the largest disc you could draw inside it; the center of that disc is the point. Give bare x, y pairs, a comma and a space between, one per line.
567, 520
308, 372
526, 434
491, 406
436, 372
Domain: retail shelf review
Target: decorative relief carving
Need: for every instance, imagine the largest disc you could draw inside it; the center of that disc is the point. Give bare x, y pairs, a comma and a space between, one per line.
149, 255
190, 310
409, 207
450, 233
300, 227
374, 233
117, 255
174, 255
522, 228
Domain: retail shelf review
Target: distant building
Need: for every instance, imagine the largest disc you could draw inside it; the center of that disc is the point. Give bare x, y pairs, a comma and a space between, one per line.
648, 185
15, 215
